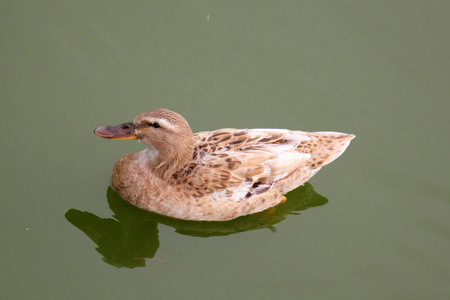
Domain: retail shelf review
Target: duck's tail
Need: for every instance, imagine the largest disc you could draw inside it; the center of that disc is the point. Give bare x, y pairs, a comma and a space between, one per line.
330, 145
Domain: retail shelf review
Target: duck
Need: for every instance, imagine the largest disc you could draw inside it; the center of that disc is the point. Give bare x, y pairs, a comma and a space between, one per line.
215, 175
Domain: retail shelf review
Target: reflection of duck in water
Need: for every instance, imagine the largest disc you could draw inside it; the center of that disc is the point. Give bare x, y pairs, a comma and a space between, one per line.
215, 175
132, 234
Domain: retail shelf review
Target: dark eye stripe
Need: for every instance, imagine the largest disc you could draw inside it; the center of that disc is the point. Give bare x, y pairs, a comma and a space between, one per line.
149, 124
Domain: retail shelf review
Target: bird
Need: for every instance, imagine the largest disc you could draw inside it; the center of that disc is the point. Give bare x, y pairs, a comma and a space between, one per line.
215, 175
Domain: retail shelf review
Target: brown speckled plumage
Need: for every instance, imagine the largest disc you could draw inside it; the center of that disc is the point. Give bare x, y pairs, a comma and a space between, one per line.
217, 175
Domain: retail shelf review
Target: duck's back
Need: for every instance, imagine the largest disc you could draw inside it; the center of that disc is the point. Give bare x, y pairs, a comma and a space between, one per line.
251, 169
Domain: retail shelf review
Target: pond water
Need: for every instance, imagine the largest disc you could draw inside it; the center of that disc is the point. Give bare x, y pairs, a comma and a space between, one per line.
374, 224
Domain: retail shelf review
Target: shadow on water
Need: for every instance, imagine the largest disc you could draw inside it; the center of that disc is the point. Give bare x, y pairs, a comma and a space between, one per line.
131, 236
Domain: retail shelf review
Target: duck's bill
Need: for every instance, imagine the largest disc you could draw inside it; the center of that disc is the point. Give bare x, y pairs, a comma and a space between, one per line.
123, 131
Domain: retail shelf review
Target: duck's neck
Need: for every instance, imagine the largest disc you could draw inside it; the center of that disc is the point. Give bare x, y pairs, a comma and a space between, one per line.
164, 163
151, 155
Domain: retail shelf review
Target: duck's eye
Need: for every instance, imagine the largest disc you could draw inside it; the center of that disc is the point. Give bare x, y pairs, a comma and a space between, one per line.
149, 124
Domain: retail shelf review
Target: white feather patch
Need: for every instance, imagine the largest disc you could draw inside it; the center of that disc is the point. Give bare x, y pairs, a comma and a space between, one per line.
152, 154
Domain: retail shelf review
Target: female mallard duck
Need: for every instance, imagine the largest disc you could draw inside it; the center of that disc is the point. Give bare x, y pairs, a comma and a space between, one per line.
215, 175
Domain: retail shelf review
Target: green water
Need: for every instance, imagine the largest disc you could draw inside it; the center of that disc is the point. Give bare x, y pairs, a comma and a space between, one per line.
372, 225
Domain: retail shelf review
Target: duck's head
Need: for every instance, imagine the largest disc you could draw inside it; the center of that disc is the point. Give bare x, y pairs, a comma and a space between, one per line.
166, 134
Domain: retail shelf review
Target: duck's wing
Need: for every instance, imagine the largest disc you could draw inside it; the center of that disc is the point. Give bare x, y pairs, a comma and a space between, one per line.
243, 162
